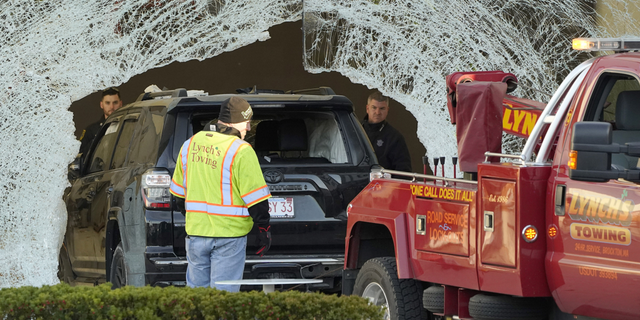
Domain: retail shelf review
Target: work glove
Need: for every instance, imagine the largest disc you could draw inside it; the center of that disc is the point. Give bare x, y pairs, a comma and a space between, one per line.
263, 240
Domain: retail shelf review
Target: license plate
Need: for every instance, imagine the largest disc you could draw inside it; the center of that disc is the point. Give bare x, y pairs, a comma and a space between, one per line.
281, 207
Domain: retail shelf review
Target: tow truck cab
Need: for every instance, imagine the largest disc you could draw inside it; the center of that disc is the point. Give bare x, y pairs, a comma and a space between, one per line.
552, 234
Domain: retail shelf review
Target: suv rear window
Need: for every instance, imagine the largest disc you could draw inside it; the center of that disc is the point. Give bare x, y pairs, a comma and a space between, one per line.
312, 137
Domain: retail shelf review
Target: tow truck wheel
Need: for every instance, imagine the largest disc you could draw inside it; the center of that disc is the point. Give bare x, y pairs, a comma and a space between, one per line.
433, 299
378, 281
118, 268
489, 307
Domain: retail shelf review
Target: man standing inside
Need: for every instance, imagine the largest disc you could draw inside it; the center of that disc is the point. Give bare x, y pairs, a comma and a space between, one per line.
388, 143
219, 179
109, 103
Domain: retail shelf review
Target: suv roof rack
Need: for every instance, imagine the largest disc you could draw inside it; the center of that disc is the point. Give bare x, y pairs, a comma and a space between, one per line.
324, 91
172, 93
255, 90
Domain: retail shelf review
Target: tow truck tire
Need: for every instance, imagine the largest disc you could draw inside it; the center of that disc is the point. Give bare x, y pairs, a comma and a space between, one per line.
433, 299
378, 281
118, 275
488, 307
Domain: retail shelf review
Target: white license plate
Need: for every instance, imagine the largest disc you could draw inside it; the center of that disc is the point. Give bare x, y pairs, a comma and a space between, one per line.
281, 207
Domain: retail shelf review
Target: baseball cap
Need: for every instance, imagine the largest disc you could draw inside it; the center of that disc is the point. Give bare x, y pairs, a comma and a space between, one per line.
235, 110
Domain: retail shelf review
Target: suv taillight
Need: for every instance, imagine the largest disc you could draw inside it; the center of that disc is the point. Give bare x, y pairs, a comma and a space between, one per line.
155, 189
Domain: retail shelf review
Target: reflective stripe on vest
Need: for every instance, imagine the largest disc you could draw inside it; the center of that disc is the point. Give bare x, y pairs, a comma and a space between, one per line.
185, 151
227, 163
216, 209
176, 188
256, 195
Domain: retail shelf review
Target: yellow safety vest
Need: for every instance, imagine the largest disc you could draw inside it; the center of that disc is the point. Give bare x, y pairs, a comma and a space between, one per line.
220, 178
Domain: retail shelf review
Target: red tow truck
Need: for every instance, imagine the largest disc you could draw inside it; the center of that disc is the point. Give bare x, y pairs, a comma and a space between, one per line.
550, 233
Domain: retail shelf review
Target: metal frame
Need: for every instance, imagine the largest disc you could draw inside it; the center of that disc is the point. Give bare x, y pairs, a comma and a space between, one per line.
416, 176
527, 151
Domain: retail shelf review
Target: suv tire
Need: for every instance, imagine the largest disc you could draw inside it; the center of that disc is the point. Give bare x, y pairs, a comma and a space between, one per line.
378, 281
118, 274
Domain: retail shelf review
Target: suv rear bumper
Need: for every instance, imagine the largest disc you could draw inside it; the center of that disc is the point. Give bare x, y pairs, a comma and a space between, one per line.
165, 271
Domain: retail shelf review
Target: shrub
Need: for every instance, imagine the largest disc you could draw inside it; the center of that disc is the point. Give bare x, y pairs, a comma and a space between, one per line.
64, 302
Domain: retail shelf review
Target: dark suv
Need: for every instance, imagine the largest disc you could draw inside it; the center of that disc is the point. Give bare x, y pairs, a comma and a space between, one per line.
123, 227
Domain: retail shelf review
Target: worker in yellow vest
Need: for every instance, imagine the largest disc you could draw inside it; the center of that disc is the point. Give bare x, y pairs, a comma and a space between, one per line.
219, 179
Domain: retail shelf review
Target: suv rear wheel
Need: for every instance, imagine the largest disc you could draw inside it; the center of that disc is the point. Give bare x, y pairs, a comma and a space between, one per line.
378, 281
118, 274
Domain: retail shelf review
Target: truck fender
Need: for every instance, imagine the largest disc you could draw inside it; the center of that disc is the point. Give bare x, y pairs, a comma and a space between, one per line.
397, 229
401, 242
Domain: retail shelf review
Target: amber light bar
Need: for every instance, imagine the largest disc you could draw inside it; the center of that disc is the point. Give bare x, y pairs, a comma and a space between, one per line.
611, 44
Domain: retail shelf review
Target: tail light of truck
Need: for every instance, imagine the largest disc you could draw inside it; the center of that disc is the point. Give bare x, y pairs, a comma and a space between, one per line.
573, 159
155, 189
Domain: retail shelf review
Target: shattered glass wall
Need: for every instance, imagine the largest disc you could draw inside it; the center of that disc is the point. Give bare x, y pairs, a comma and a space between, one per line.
405, 48
56, 52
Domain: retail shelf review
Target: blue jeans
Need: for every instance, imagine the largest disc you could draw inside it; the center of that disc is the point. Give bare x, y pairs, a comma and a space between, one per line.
214, 259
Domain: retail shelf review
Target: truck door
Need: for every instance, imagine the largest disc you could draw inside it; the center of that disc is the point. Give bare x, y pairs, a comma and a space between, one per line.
593, 258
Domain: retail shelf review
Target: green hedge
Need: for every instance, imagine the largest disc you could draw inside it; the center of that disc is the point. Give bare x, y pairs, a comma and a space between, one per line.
64, 302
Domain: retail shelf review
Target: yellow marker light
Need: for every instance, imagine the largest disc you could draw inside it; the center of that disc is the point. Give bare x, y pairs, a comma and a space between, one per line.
573, 159
582, 44
530, 233
553, 232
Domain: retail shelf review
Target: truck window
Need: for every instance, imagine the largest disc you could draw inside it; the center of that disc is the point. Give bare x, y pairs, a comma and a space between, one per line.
603, 102
615, 100
612, 98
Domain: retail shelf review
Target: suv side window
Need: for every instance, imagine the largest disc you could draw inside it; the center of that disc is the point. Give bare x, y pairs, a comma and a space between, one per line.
148, 131
124, 141
101, 156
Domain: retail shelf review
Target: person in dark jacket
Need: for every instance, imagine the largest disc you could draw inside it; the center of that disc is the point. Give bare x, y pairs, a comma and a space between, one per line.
388, 143
109, 103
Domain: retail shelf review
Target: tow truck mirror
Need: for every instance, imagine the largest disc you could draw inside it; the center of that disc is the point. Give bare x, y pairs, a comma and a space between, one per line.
590, 158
